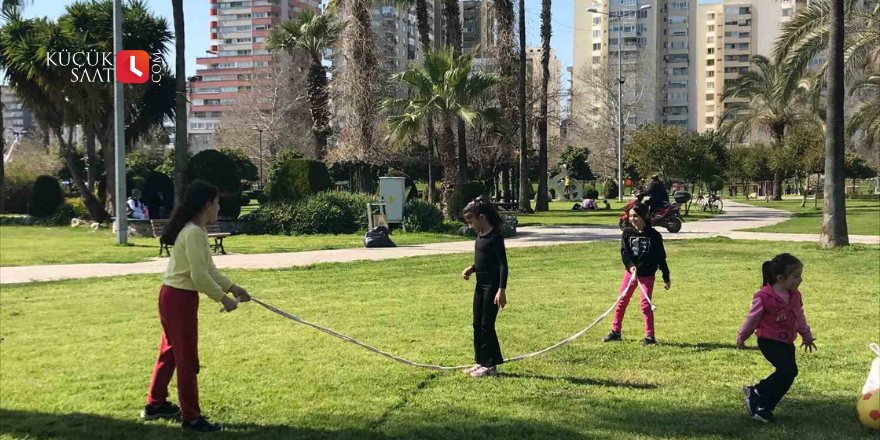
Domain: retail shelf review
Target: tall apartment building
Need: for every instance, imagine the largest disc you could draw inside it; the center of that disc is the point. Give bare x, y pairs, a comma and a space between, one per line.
554, 87
239, 30
654, 46
16, 118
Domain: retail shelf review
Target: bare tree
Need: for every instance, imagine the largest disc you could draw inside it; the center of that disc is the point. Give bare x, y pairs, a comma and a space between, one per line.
595, 124
272, 114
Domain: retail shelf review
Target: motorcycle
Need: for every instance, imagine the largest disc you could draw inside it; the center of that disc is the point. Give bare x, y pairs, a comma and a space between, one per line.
669, 217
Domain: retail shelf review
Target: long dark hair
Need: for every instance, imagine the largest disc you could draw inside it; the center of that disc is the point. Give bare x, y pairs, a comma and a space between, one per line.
484, 207
198, 194
782, 265
643, 211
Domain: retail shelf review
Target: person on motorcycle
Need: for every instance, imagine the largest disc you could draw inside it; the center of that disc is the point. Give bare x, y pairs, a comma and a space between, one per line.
659, 197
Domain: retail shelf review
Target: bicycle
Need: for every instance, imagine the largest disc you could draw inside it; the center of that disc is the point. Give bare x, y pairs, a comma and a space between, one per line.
711, 203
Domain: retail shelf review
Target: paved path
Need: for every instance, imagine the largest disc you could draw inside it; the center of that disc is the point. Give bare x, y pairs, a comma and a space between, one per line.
737, 216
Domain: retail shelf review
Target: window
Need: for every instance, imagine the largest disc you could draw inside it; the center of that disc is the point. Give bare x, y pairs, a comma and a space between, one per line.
597, 46
597, 21
643, 14
678, 19
731, 10
731, 23
710, 74
710, 108
710, 97
787, 12
678, 84
710, 28
678, 58
710, 16
731, 34
678, 6
710, 40
710, 62
597, 60
745, 10
679, 110
710, 120
642, 41
743, 46
260, 40
228, 89
612, 41
737, 58
711, 51
678, 45
743, 23
680, 71
596, 34
678, 33
678, 96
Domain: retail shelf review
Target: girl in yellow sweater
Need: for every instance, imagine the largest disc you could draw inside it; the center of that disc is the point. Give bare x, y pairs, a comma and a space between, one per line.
190, 270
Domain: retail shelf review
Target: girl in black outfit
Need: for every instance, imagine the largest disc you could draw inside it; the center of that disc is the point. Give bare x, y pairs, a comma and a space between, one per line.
490, 265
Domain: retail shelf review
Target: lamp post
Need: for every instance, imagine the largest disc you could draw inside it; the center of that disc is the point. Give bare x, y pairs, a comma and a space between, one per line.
119, 132
260, 129
620, 81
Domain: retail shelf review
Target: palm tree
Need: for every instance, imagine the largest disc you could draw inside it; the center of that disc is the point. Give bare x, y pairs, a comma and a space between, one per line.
866, 118
809, 33
773, 107
312, 33
542, 203
452, 38
445, 89
505, 55
834, 230
180, 119
525, 203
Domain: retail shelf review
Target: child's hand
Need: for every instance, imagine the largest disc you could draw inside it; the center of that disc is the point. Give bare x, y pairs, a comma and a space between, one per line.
229, 304
500, 298
632, 270
740, 345
809, 346
240, 293
466, 274
667, 284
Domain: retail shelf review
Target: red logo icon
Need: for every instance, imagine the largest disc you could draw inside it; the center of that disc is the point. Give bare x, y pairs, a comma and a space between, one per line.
132, 66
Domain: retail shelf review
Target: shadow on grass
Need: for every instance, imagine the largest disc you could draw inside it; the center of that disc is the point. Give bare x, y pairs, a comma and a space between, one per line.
705, 346
581, 381
80, 426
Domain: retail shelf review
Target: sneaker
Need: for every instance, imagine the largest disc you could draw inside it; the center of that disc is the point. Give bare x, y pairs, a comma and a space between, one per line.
472, 369
201, 424
649, 341
485, 372
764, 415
166, 410
613, 336
751, 400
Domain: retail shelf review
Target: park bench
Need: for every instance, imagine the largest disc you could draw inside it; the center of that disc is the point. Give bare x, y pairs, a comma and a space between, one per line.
213, 229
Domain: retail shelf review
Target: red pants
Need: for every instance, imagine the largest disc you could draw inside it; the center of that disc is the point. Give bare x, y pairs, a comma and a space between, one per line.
648, 284
178, 312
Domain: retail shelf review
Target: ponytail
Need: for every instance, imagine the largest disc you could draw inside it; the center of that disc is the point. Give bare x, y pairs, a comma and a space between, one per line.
482, 206
782, 265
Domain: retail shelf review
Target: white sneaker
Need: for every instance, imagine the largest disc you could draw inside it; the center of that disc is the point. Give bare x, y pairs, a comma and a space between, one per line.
472, 369
485, 372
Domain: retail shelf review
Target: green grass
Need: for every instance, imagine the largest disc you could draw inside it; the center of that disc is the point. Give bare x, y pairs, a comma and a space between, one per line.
253, 206
862, 217
37, 245
77, 355
560, 214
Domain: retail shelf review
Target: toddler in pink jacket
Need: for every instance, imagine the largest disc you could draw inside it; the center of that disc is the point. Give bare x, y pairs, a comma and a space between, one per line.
777, 314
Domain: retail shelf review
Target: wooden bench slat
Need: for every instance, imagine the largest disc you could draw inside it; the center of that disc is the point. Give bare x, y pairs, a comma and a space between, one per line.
214, 232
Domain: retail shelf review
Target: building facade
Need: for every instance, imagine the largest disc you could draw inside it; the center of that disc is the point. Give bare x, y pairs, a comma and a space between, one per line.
239, 30
16, 118
554, 87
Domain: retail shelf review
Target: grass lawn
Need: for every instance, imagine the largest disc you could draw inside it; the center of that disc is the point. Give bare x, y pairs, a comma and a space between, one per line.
35, 245
77, 366
862, 217
560, 214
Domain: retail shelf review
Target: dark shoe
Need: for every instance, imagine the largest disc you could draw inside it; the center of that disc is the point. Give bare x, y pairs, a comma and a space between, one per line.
613, 336
751, 400
764, 415
166, 410
649, 341
201, 424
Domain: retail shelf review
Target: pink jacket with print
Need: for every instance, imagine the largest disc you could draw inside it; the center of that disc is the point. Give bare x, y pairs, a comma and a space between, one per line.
776, 316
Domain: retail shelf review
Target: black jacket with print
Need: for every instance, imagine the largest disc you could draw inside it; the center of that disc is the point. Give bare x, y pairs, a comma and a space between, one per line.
644, 251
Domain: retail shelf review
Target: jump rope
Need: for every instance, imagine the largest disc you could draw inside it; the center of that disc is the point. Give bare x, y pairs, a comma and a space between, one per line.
393, 357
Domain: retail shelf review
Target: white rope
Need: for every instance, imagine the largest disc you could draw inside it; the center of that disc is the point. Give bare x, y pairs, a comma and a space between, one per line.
439, 367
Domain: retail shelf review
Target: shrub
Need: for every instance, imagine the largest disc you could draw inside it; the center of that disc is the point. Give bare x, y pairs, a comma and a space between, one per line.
330, 212
221, 171
610, 189
63, 214
47, 197
295, 179
591, 193
247, 170
79, 207
158, 194
18, 194
263, 198
460, 198
421, 216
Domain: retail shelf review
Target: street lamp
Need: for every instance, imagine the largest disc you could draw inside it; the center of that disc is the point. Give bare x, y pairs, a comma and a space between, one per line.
620, 81
260, 129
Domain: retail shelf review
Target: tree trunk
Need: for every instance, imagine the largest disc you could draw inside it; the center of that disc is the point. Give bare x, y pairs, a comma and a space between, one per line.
542, 202
806, 188
452, 14
834, 228
96, 211
318, 104
525, 205
91, 158
2, 162
180, 117
450, 163
432, 191
816, 193
777, 187
505, 184
107, 148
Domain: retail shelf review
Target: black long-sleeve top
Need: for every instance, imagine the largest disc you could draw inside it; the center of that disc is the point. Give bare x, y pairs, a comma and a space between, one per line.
644, 251
657, 192
490, 256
